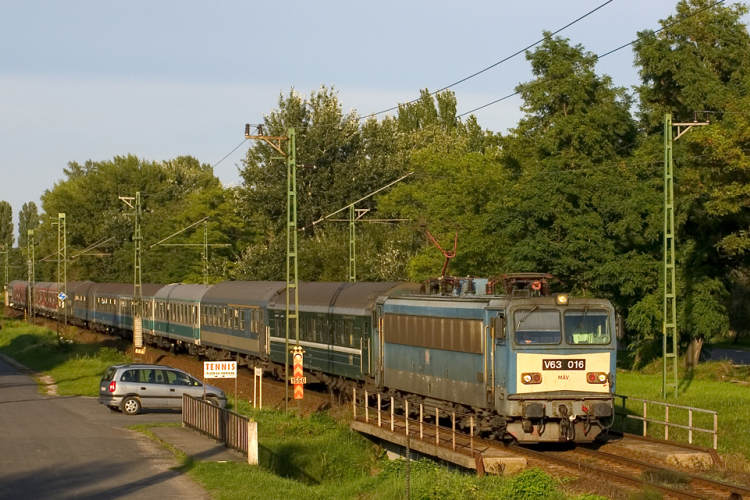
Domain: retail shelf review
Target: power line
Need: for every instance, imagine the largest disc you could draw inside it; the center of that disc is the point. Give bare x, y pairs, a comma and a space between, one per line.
508, 58
603, 55
227, 156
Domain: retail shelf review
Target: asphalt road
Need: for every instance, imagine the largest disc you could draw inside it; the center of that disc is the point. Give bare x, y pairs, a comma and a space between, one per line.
738, 357
65, 448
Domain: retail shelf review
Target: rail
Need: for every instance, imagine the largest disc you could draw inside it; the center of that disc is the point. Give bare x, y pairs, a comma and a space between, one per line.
690, 427
234, 430
420, 427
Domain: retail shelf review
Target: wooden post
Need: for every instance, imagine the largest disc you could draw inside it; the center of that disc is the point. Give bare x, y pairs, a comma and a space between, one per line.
379, 407
690, 425
406, 415
471, 433
354, 402
437, 424
666, 427
645, 424
367, 409
421, 418
453, 417
392, 414
252, 443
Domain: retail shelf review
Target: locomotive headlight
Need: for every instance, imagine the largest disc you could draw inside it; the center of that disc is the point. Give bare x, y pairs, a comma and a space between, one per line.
596, 377
531, 378
561, 299
602, 378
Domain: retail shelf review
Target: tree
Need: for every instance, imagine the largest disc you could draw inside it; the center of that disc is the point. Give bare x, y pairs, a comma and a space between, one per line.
28, 219
174, 194
7, 237
698, 63
567, 205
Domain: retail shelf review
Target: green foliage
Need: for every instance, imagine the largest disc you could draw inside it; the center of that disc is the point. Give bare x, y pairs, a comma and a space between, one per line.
75, 368
174, 193
7, 236
532, 484
28, 219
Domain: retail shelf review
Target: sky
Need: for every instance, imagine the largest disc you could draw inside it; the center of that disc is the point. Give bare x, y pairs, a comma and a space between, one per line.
84, 80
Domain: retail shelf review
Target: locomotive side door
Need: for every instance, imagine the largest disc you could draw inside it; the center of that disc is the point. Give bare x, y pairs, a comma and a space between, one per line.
495, 340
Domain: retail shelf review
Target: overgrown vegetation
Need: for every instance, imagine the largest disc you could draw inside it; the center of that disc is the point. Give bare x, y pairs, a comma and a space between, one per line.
75, 367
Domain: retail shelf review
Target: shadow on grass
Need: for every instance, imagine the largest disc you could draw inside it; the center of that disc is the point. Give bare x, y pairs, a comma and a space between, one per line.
283, 462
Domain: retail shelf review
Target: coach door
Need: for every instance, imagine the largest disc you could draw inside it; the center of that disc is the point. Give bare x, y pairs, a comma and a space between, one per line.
495, 338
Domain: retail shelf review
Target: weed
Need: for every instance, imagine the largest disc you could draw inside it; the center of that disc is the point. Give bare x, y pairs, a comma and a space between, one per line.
670, 478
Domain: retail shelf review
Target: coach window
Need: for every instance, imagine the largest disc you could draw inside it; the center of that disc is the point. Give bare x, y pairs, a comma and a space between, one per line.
537, 326
224, 317
587, 326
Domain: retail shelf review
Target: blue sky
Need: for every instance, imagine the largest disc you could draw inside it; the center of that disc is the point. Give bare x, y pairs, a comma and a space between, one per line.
86, 80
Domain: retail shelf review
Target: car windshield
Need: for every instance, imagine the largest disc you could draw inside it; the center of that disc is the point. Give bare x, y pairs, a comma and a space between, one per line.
537, 326
587, 326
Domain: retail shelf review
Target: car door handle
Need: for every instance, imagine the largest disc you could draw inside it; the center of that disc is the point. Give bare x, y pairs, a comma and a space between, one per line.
143, 388
171, 390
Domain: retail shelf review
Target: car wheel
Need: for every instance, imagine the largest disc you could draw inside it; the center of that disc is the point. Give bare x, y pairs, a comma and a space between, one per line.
131, 406
212, 400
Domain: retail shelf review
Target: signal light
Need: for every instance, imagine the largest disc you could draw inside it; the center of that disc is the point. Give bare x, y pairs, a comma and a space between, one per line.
531, 378
596, 377
112, 386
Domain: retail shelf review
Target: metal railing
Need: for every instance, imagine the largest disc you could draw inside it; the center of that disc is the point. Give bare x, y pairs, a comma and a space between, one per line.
414, 427
221, 424
690, 427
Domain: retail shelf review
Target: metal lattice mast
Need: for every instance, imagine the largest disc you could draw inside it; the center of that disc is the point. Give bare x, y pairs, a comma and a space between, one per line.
292, 281
62, 274
30, 287
670, 288
205, 252
352, 245
137, 309
5, 252
670, 334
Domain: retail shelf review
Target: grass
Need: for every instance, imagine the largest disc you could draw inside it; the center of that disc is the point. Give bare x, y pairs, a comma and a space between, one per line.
76, 368
316, 458
715, 385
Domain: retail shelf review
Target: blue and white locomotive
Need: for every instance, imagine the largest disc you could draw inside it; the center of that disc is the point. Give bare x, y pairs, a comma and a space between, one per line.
520, 362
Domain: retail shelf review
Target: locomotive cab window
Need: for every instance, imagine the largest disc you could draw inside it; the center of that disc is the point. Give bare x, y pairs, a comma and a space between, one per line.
587, 326
537, 326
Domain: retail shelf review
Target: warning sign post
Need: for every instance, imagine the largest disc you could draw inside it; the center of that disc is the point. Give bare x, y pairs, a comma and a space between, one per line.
298, 378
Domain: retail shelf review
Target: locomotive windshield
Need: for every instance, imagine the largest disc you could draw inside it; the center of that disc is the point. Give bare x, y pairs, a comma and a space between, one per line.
587, 327
538, 326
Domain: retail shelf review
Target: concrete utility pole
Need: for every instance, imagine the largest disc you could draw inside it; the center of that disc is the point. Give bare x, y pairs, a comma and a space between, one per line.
670, 287
292, 272
30, 276
138, 347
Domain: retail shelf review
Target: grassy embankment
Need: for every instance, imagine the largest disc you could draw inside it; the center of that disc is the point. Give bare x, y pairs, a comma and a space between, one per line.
311, 458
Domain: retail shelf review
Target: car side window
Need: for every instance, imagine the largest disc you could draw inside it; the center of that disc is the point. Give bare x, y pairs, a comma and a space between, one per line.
148, 376
178, 378
161, 377
129, 376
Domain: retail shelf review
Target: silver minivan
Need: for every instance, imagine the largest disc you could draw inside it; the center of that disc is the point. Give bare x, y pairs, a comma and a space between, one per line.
129, 388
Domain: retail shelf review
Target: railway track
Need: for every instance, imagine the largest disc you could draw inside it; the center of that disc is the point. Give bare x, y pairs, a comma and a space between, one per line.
629, 474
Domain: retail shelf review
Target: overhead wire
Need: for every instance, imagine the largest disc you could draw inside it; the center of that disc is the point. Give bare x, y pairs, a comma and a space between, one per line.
599, 57
508, 58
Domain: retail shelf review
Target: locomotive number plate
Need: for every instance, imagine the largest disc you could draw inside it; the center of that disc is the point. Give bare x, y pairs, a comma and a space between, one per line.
564, 364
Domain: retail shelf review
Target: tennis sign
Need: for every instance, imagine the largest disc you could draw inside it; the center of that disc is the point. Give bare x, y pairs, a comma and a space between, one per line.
219, 369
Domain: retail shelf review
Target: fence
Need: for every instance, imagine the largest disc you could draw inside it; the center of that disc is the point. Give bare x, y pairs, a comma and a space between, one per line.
234, 430
664, 409
420, 427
